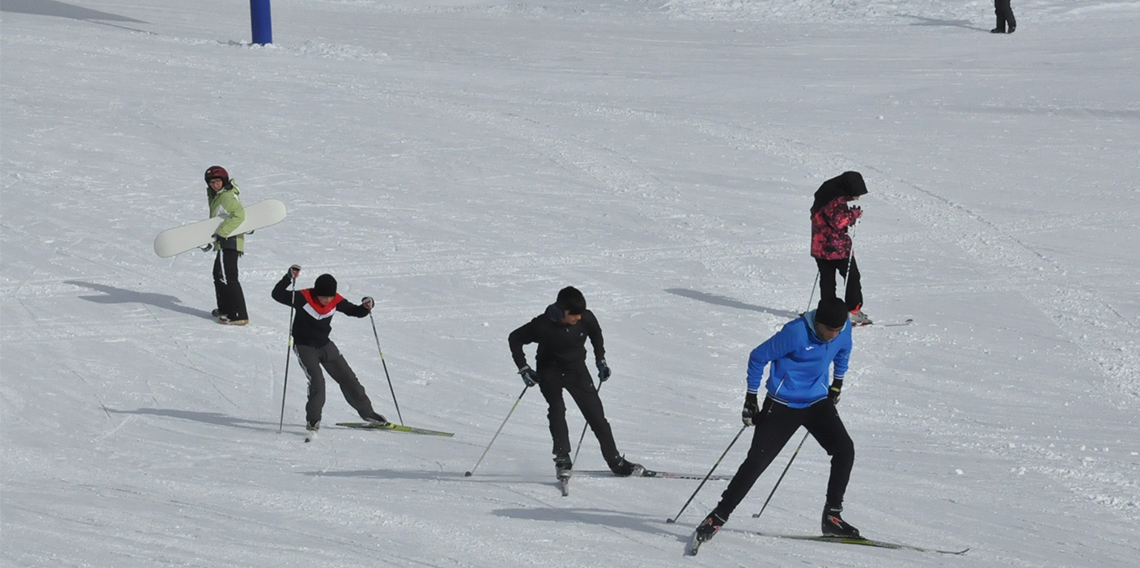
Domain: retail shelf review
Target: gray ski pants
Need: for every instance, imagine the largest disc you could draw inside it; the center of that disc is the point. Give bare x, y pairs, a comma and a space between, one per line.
311, 360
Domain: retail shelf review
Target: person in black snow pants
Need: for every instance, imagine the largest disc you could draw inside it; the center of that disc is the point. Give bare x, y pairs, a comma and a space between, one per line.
1006, 23
311, 326
831, 244
222, 194
561, 334
798, 392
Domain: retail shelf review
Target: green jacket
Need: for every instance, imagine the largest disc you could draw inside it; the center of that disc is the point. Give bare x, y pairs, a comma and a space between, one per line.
225, 204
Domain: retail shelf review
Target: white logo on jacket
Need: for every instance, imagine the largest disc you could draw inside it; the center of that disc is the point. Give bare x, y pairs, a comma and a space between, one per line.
317, 315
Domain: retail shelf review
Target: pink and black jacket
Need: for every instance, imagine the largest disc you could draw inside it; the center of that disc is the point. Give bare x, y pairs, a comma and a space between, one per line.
830, 216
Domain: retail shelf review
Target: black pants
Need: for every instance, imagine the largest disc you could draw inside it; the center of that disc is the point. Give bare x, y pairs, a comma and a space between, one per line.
1004, 15
311, 360
776, 426
827, 269
227, 289
578, 383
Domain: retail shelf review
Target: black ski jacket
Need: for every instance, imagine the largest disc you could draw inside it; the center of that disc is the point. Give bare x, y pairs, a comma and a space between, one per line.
313, 322
560, 346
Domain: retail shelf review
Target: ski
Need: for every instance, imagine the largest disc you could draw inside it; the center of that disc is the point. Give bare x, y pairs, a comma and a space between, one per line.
394, 428
653, 473
860, 541
898, 323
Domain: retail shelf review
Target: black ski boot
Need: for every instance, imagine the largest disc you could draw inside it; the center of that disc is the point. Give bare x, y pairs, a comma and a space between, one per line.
626, 468
709, 527
562, 466
834, 525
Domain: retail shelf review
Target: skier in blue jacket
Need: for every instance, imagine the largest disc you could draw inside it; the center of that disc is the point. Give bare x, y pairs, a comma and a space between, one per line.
799, 393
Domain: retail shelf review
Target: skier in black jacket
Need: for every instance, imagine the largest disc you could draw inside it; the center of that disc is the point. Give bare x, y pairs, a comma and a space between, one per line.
561, 334
311, 326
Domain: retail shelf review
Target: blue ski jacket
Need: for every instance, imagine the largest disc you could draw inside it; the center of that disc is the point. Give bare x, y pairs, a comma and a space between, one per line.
800, 361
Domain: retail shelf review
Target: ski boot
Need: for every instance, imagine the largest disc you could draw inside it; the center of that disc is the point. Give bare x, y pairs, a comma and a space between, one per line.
311, 429
562, 466
834, 525
626, 468
859, 318
376, 420
710, 526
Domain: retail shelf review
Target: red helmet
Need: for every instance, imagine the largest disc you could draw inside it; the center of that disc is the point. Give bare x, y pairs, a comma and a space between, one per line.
217, 172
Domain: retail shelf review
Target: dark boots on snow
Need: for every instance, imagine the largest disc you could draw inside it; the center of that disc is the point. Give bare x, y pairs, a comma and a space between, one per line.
563, 466
626, 468
834, 525
710, 526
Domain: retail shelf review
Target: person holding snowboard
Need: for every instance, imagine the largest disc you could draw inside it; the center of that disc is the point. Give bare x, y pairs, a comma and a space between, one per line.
311, 327
830, 243
222, 194
561, 333
1006, 23
798, 394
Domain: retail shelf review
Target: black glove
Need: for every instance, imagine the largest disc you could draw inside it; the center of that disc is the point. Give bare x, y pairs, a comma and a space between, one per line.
206, 248
603, 370
833, 392
528, 375
294, 271
751, 410
367, 302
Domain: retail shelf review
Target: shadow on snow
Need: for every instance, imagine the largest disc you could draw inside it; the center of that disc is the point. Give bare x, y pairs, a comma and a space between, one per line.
112, 295
729, 302
216, 418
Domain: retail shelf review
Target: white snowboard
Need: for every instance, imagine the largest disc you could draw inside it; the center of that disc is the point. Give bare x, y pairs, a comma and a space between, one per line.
187, 237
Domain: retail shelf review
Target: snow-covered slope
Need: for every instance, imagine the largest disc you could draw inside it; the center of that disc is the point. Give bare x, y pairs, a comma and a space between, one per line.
461, 161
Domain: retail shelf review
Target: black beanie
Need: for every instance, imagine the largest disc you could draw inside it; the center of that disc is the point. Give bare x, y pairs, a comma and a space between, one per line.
571, 300
831, 312
325, 286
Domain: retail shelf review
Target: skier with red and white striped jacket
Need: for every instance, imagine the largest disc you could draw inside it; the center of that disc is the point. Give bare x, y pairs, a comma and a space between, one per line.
311, 327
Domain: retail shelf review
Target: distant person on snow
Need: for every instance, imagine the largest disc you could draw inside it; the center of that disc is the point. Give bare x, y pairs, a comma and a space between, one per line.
561, 334
830, 243
1004, 18
311, 326
222, 194
798, 394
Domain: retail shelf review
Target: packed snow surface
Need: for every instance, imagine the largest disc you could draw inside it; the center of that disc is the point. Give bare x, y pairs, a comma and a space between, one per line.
461, 161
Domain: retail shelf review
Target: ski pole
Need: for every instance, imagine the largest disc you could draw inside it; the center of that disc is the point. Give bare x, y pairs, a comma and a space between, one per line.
583, 436
707, 476
813, 285
797, 452
382, 362
513, 407
850, 257
288, 352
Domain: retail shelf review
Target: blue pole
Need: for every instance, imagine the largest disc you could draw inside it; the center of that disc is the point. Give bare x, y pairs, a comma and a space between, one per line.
260, 21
